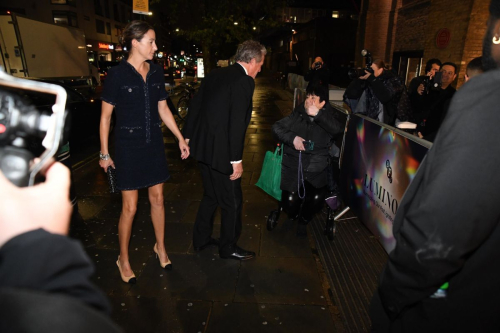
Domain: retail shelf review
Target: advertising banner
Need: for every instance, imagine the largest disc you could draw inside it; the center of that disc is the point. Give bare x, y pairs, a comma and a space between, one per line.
378, 164
140, 7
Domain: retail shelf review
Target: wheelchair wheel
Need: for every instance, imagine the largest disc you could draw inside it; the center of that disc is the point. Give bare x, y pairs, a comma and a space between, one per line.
330, 229
272, 220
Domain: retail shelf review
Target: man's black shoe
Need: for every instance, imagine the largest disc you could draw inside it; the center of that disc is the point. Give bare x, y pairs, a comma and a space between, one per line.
211, 242
239, 254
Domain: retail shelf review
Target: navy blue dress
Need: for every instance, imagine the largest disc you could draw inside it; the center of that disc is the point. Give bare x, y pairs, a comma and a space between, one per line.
139, 159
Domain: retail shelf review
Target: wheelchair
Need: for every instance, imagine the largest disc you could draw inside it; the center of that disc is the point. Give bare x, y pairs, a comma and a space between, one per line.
332, 202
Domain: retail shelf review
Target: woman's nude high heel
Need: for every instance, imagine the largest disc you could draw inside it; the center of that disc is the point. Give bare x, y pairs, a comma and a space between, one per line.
127, 279
167, 265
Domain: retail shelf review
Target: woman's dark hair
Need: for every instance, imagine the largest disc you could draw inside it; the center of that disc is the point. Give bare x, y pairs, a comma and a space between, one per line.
430, 62
318, 90
379, 63
133, 30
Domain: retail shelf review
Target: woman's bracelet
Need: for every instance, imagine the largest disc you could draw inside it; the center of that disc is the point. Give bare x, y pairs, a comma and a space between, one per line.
104, 157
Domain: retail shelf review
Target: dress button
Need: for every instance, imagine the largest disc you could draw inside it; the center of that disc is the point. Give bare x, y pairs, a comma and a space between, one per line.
129, 89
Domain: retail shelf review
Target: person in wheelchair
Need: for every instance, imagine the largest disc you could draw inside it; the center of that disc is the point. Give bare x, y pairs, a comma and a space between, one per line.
307, 136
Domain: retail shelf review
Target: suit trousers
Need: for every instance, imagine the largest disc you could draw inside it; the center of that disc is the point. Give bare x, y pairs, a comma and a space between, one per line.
219, 190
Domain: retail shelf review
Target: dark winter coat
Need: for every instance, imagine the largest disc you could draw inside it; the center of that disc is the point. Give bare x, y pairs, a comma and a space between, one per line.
447, 227
386, 89
321, 130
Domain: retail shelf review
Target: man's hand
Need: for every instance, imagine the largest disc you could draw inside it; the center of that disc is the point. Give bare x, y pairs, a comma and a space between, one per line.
298, 143
420, 89
237, 171
45, 205
430, 75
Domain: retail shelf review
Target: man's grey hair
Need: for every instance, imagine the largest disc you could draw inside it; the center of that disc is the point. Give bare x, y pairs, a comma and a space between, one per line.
248, 50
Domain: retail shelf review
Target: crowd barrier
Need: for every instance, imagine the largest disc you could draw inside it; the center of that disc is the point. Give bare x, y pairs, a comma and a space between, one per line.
377, 164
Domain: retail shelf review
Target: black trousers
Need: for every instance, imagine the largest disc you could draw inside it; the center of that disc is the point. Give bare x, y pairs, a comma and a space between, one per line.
219, 191
307, 207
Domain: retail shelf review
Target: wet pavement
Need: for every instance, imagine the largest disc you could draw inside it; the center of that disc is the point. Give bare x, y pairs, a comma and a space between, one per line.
286, 288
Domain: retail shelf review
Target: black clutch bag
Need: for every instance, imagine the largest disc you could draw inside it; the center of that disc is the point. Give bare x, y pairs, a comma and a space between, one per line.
112, 180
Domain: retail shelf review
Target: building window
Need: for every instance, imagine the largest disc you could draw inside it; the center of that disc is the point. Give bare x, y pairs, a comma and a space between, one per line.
116, 15
98, 7
106, 8
65, 18
108, 29
99, 26
63, 2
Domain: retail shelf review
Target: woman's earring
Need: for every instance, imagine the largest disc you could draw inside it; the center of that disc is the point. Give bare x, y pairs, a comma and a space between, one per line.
496, 40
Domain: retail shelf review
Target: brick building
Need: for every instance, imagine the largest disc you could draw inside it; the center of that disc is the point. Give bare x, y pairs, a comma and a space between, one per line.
406, 33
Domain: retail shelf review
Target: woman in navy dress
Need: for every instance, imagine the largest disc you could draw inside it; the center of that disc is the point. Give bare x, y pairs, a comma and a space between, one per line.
135, 89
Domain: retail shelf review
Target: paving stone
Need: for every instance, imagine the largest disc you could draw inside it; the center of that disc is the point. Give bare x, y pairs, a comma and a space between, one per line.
193, 277
279, 281
261, 317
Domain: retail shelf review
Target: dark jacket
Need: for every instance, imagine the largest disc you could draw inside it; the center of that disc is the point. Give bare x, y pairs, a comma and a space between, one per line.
435, 106
321, 130
218, 117
318, 76
447, 227
45, 286
386, 89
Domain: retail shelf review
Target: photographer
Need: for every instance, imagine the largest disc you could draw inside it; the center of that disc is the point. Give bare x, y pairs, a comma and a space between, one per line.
44, 275
318, 74
422, 83
434, 104
307, 135
378, 92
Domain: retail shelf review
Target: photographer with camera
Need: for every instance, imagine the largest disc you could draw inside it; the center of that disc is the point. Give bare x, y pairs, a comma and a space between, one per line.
307, 135
376, 92
318, 74
421, 84
44, 275
434, 105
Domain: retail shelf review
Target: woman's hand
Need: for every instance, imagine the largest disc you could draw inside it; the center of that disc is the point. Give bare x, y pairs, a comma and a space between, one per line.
184, 147
366, 76
298, 143
106, 163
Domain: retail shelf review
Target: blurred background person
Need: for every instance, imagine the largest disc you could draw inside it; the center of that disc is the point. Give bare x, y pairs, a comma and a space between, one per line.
136, 89
431, 67
318, 74
307, 135
435, 104
474, 68
378, 93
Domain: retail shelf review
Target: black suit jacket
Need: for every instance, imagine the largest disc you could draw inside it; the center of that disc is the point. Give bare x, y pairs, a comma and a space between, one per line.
447, 226
218, 117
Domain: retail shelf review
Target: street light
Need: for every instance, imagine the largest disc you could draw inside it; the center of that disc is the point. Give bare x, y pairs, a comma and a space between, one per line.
254, 28
235, 23
150, 13
177, 29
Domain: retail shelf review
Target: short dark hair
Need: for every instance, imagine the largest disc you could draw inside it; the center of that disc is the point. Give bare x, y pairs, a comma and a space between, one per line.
430, 62
134, 30
475, 64
318, 90
450, 64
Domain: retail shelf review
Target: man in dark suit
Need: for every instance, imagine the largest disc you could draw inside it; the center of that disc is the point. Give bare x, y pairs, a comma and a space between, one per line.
443, 274
215, 129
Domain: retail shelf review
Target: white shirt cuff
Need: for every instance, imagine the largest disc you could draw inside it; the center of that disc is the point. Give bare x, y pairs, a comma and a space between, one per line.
235, 162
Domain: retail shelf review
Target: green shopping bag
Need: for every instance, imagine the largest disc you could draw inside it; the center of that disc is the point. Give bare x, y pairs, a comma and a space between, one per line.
270, 176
